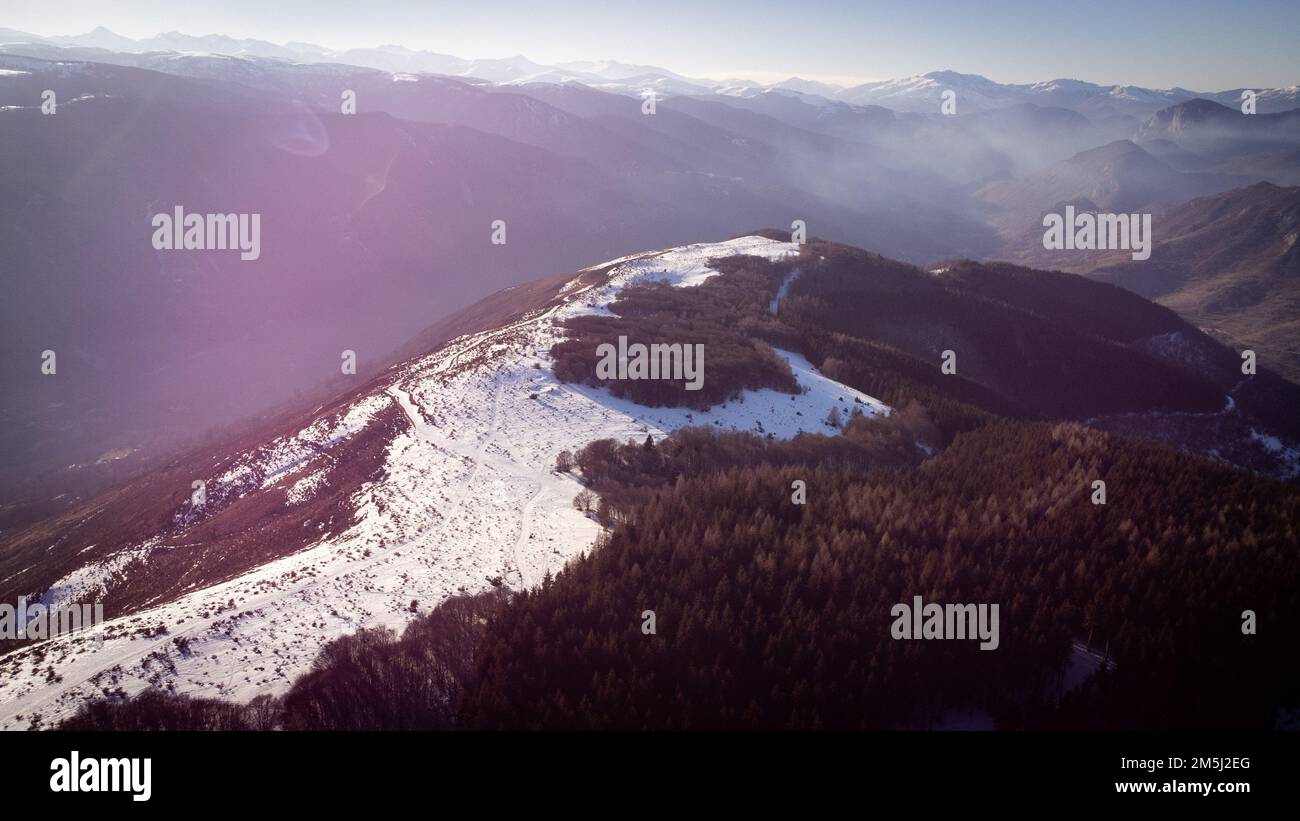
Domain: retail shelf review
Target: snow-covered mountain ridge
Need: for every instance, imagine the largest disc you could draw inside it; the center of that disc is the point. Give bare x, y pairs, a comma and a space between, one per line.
468, 497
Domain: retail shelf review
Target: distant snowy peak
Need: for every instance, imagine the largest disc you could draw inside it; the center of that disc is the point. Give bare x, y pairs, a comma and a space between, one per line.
1064, 86
750, 92
614, 70
808, 87
99, 37
923, 93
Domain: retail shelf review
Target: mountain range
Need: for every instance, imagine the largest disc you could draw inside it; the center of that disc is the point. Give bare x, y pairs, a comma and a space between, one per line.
404, 193
919, 93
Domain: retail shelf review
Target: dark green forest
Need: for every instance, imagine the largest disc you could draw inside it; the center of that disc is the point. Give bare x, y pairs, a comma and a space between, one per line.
776, 615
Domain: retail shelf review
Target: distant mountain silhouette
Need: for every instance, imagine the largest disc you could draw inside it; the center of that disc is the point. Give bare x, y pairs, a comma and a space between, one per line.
1119, 177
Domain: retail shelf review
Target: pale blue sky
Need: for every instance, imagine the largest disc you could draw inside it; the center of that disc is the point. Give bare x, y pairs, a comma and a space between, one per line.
1199, 45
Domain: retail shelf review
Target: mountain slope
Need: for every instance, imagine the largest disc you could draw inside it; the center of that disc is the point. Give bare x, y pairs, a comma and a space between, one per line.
1198, 122
439, 475
436, 477
1223, 139
1227, 262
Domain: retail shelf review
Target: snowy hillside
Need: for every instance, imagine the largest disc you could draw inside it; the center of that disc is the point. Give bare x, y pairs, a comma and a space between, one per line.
468, 498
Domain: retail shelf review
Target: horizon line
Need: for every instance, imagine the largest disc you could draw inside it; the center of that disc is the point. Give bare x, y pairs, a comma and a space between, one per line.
841, 82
